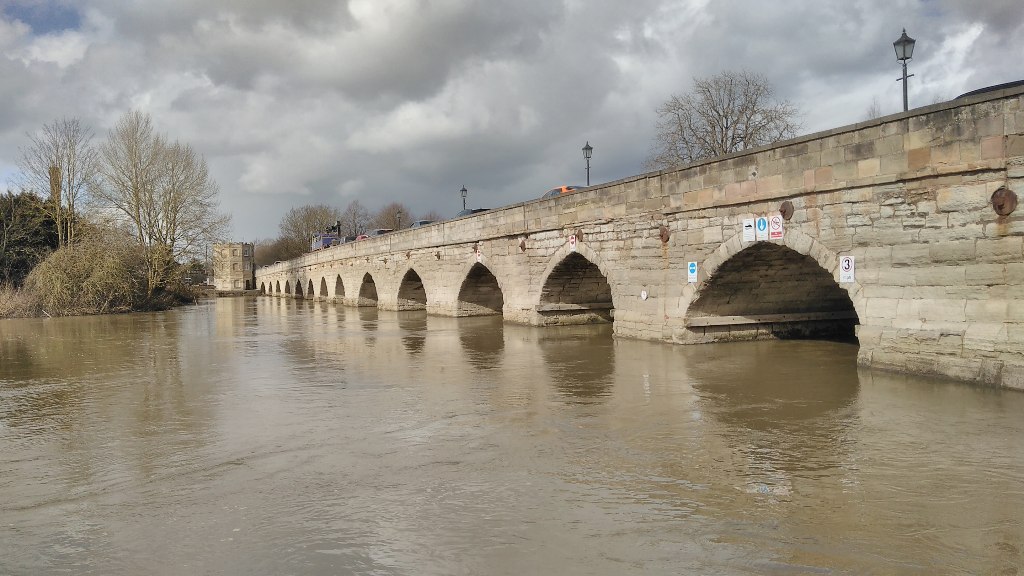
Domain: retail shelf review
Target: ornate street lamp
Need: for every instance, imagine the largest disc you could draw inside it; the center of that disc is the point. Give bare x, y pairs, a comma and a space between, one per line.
904, 51
587, 151
464, 192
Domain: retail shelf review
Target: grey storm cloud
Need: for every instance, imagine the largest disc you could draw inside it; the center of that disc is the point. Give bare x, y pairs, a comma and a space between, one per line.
326, 101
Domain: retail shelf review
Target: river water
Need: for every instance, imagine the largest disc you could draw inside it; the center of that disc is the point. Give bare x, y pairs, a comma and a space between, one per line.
271, 436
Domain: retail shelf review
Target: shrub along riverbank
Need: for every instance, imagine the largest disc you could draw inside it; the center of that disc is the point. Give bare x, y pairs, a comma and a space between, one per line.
99, 275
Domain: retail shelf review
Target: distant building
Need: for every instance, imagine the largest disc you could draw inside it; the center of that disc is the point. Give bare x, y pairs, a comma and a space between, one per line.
234, 266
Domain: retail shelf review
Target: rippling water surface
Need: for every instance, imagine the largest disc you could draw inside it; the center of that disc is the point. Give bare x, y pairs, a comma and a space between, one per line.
281, 437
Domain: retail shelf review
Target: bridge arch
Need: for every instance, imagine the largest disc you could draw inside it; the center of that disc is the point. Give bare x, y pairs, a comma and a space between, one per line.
771, 290
411, 293
263, 288
367, 292
339, 288
322, 293
575, 288
309, 289
480, 293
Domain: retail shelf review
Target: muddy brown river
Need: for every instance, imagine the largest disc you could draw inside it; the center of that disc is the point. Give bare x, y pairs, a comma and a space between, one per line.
267, 436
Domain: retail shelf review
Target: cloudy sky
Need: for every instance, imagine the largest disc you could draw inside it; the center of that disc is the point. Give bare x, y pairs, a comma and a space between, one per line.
297, 102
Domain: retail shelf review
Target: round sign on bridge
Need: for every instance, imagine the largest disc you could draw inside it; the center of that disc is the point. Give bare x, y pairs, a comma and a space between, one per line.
572, 243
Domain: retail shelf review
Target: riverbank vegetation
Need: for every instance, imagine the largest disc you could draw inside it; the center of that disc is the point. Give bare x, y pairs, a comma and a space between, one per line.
104, 229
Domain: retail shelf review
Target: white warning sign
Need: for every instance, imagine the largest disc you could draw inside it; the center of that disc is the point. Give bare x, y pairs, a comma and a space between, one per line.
847, 267
748, 230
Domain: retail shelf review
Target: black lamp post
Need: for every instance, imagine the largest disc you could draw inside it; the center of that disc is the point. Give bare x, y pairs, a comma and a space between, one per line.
904, 51
464, 192
587, 151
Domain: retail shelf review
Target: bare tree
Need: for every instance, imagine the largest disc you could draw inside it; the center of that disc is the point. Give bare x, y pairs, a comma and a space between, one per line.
874, 109
61, 163
163, 192
355, 219
299, 224
433, 216
271, 251
727, 113
394, 215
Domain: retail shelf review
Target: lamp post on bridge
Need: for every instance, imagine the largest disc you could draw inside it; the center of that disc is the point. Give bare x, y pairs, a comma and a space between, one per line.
904, 47
587, 151
464, 192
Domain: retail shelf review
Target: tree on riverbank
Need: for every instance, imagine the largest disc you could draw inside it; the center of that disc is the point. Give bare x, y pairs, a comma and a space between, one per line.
162, 193
27, 235
102, 273
61, 161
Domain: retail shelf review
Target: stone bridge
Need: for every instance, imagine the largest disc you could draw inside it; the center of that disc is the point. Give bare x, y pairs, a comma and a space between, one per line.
899, 232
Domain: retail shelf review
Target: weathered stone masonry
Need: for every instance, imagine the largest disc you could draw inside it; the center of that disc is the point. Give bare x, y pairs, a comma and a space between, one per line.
939, 274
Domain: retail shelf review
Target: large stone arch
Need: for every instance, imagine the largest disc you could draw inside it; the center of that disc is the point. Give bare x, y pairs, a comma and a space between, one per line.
480, 293
411, 293
263, 288
310, 293
770, 289
575, 288
367, 292
322, 294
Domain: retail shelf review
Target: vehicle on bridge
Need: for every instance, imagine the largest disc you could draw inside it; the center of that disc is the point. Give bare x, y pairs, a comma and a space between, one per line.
560, 190
470, 211
322, 240
419, 223
374, 233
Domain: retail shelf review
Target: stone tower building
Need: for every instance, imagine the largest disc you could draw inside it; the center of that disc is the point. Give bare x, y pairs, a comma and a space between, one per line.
234, 266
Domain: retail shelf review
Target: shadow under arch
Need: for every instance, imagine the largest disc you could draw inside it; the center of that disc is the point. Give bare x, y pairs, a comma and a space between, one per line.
277, 289
263, 288
480, 293
367, 292
768, 290
323, 288
411, 293
309, 289
339, 288
576, 290
288, 287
